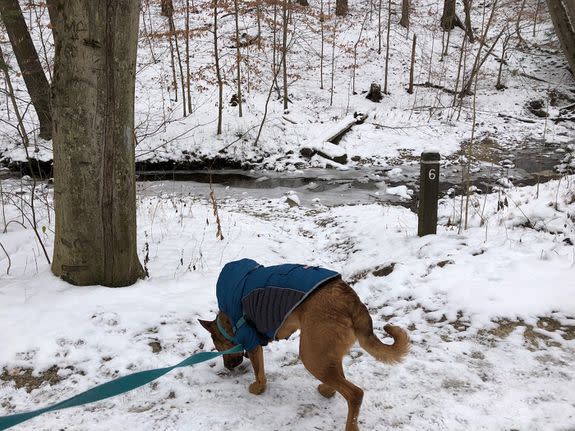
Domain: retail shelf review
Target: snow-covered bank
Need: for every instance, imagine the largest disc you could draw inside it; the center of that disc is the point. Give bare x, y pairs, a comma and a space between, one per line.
491, 312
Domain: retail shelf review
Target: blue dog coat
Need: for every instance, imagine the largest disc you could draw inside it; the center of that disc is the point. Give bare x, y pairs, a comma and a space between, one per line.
264, 296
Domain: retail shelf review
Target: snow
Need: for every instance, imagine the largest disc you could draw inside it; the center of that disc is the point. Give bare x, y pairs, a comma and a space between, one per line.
401, 125
488, 309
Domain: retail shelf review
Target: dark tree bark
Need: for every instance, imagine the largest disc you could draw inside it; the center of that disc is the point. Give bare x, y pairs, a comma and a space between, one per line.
167, 8
405, 8
468, 27
563, 16
412, 67
341, 7
94, 166
29, 63
449, 19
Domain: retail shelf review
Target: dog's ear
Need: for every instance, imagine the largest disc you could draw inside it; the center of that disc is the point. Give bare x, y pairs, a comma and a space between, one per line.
206, 324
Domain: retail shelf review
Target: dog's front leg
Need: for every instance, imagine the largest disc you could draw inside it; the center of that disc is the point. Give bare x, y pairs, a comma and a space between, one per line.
257, 359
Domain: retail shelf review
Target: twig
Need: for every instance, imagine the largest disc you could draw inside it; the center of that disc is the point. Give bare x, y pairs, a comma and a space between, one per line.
9, 260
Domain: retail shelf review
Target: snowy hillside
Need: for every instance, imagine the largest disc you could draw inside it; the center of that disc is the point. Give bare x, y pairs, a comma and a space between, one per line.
397, 128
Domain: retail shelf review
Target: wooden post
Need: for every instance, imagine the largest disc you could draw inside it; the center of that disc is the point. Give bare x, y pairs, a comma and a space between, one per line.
428, 194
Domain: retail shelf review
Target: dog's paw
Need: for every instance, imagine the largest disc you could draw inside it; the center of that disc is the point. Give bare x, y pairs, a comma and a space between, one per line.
326, 390
257, 388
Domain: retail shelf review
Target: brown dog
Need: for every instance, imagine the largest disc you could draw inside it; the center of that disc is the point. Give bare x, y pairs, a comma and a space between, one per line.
331, 319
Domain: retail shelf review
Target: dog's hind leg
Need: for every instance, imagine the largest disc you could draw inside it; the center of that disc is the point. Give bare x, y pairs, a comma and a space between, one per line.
324, 362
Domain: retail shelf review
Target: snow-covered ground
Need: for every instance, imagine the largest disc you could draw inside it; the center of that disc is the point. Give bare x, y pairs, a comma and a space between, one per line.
490, 311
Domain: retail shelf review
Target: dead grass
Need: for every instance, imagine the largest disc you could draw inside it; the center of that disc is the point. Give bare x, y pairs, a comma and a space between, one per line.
24, 378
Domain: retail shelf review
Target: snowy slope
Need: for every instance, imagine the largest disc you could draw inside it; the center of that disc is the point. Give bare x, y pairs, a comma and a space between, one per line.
399, 127
490, 310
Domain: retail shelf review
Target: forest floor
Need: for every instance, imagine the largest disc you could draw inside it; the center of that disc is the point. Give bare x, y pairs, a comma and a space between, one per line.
490, 312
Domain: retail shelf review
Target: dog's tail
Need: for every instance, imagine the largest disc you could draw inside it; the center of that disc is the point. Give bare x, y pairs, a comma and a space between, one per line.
388, 353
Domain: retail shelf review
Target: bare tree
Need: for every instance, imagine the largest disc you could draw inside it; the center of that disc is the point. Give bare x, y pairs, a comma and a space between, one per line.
387, 47
188, 84
238, 57
321, 27
218, 71
468, 27
94, 151
563, 16
449, 18
379, 27
405, 8
341, 7
29, 63
412, 67
284, 51
169, 10
479, 60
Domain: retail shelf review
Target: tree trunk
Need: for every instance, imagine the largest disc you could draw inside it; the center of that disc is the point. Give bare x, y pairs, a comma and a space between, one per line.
385, 91
412, 67
405, 7
94, 166
341, 7
29, 63
284, 52
468, 27
563, 16
449, 18
238, 57
218, 71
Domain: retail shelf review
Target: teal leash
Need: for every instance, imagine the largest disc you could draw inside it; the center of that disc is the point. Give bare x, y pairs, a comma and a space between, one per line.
113, 388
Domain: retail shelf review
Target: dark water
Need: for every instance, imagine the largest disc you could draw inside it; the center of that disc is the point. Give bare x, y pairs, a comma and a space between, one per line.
521, 166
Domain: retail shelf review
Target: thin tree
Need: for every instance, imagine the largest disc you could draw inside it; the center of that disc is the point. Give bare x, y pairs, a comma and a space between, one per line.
379, 27
321, 27
355, 45
174, 34
518, 23
284, 51
29, 63
332, 61
479, 60
238, 58
499, 85
188, 83
412, 67
387, 48
218, 71
26, 141
94, 151
468, 27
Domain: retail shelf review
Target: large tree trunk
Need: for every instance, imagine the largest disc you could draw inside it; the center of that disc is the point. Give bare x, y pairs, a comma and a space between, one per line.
563, 16
341, 7
449, 18
94, 169
29, 63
